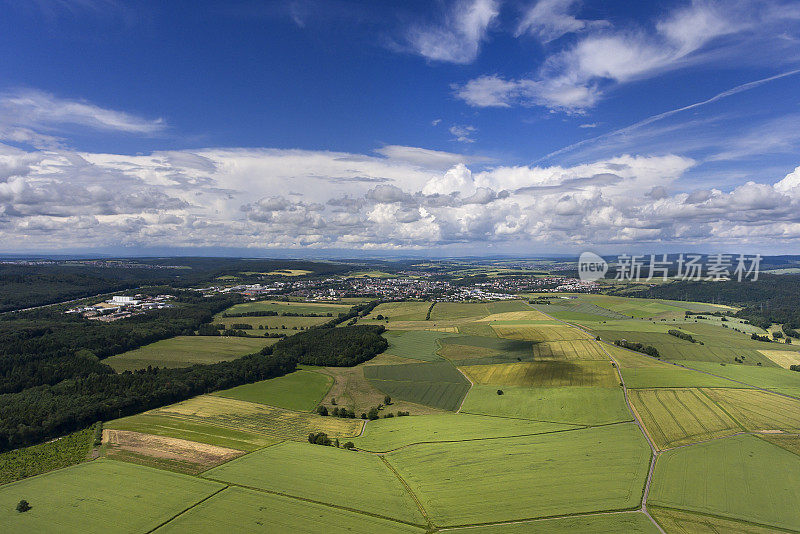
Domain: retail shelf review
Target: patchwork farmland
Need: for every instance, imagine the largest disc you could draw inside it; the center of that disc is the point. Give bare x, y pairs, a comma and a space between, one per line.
519, 421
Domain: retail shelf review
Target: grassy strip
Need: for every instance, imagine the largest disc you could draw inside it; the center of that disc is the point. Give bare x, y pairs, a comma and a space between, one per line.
37, 459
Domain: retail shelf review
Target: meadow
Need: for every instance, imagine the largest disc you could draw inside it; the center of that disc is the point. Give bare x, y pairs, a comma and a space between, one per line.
415, 344
289, 307
672, 377
243, 511
401, 311
752, 375
561, 473
301, 390
183, 351
572, 405
741, 477
348, 479
389, 434
99, 497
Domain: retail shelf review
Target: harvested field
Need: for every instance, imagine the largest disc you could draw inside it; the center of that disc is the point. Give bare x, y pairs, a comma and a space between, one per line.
257, 418
680, 522
540, 332
544, 374
577, 349
167, 453
676, 417
784, 358
758, 410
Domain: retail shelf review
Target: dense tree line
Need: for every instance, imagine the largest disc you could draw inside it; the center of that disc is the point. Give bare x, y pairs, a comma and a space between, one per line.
46, 346
48, 411
333, 347
682, 335
638, 347
770, 299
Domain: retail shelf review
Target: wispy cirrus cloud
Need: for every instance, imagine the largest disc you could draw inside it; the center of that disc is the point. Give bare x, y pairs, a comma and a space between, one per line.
458, 38
26, 113
574, 78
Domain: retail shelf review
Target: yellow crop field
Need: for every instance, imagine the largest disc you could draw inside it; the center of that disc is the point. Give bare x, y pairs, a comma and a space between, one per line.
545, 374
676, 417
539, 332
680, 522
759, 410
784, 358
257, 418
531, 315
578, 349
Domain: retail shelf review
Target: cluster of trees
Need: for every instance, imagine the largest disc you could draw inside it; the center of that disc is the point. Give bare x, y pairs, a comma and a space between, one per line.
333, 347
272, 313
321, 438
638, 347
683, 335
756, 337
794, 367
336, 411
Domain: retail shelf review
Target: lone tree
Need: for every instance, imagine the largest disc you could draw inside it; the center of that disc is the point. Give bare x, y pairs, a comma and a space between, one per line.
387, 400
499, 391
23, 506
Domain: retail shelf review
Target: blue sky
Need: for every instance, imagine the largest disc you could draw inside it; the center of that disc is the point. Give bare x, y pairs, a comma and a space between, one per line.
468, 126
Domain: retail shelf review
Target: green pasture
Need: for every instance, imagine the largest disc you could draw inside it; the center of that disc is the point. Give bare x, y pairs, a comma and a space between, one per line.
475, 350
183, 351
533, 476
350, 479
301, 390
741, 477
389, 434
753, 375
415, 344
401, 311
99, 497
244, 511
272, 323
571, 405
673, 377
289, 307
437, 384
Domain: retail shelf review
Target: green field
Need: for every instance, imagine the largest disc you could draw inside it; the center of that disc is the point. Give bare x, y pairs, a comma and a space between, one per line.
29, 461
573, 405
301, 390
680, 522
389, 434
629, 522
759, 410
672, 377
675, 417
444, 311
741, 477
534, 476
474, 350
544, 374
290, 307
436, 384
183, 351
354, 480
401, 311
100, 496
272, 323
243, 511
202, 432
415, 344
758, 376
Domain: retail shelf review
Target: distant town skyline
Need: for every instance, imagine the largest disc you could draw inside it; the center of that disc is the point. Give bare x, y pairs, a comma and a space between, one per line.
461, 127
